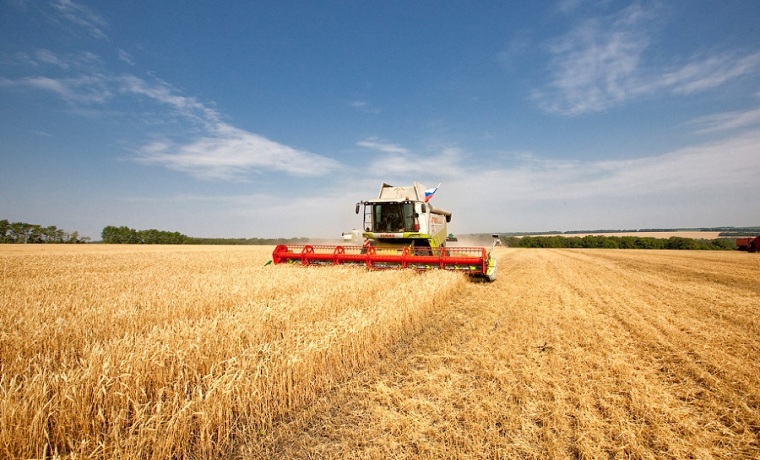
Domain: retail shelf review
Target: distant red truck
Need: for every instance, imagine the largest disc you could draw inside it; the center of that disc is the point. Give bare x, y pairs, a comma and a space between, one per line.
748, 244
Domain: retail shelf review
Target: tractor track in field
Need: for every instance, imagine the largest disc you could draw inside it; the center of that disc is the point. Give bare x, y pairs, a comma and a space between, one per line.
570, 354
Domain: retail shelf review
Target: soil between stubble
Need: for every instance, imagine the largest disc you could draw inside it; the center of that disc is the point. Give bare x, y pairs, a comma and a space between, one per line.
569, 354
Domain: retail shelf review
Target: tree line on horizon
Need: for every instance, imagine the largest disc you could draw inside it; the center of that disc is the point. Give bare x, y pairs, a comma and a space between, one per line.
722, 231
126, 235
619, 242
25, 233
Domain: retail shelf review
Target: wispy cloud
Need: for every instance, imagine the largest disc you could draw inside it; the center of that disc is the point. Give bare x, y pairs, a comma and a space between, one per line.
163, 93
596, 65
87, 89
703, 73
435, 165
126, 57
374, 143
81, 61
722, 164
516, 47
727, 121
48, 57
82, 17
565, 6
718, 165
363, 106
222, 152
602, 63
701, 181
231, 154
212, 149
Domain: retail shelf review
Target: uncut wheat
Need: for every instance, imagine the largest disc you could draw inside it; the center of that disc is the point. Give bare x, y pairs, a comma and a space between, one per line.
167, 352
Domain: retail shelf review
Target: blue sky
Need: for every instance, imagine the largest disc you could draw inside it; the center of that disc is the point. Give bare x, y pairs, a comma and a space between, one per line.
266, 119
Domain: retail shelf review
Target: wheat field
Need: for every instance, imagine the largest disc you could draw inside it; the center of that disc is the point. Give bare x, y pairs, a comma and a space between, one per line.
205, 352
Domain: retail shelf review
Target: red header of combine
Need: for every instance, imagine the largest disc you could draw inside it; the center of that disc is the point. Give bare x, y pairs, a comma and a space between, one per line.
470, 260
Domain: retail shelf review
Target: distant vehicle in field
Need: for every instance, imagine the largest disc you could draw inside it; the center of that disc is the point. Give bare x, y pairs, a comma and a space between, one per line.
751, 244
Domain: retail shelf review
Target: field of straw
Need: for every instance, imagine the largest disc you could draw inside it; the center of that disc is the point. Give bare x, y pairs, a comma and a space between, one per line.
205, 352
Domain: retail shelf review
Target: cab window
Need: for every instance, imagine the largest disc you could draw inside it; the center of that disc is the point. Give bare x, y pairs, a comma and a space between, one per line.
389, 217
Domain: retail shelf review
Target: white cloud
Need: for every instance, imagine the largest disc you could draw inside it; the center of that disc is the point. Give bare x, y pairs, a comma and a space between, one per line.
363, 106
514, 49
704, 73
374, 143
223, 152
708, 167
82, 17
48, 57
220, 152
602, 64
698, 185
126, 57
400, 163
84, 61
728, 121
230, 154
88, 89
594, 66
161, 92
566, 6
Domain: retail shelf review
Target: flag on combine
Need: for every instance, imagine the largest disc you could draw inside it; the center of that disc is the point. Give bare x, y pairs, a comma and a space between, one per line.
430, 192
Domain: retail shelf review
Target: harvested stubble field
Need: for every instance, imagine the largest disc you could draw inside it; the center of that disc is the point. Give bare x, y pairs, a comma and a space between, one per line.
203, 352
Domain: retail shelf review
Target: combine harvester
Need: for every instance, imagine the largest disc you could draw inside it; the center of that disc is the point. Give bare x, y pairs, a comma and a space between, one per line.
401, 230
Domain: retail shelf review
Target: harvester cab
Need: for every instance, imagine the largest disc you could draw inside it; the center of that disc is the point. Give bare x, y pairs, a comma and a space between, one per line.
402, 216
401, 229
